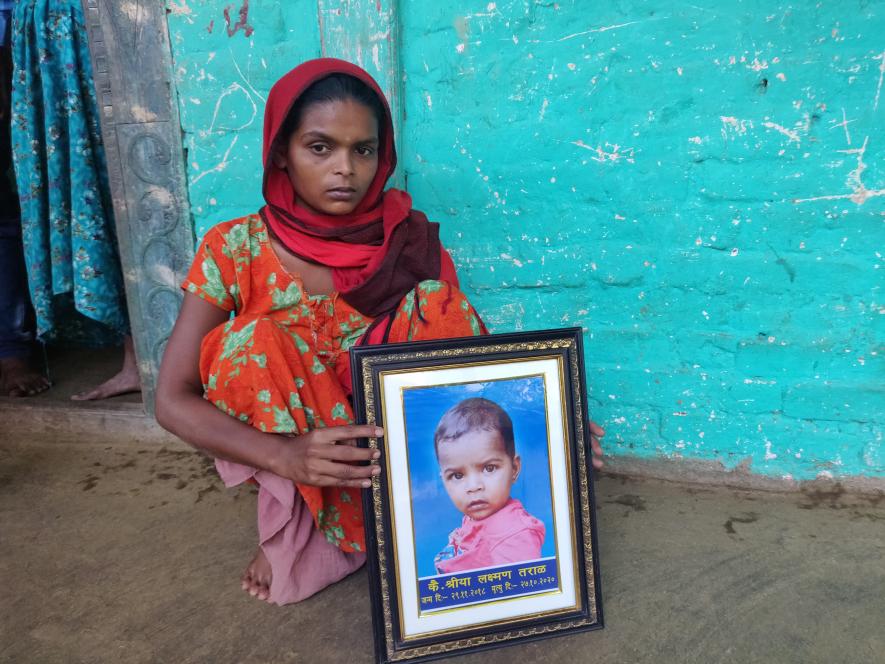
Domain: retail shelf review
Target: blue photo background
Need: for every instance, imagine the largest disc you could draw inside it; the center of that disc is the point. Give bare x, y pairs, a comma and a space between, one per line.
434, 515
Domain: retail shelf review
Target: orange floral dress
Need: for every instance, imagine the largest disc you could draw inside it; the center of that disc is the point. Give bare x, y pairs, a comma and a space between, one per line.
281, 362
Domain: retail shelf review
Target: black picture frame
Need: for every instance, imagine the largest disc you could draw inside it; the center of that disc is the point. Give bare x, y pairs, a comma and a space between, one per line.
503, 602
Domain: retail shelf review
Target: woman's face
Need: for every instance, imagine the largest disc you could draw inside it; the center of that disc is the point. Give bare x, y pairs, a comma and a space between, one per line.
332, 156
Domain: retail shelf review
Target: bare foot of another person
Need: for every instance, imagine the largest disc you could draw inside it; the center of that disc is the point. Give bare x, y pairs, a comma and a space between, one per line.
256, 578
18, 379
124, 382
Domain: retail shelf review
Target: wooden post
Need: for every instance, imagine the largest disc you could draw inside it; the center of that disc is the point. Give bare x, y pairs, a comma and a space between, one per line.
132, 64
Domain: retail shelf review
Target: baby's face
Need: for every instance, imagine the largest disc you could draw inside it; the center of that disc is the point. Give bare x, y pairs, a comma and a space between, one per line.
477, 472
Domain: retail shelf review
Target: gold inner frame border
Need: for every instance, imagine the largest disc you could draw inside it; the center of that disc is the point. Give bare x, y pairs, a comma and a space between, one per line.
566, 441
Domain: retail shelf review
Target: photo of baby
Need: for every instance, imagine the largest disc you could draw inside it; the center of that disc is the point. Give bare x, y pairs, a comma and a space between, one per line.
479, 465
479, 470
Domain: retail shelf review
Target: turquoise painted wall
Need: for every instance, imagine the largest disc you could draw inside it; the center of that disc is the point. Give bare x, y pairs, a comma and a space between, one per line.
225, 63
702, 188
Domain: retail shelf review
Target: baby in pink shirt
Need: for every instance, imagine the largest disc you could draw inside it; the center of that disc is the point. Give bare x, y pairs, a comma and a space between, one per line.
478, 465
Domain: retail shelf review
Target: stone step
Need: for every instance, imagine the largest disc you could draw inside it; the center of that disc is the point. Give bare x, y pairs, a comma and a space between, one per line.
119, 422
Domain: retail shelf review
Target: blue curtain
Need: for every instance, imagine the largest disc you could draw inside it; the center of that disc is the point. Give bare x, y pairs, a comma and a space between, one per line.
70, 245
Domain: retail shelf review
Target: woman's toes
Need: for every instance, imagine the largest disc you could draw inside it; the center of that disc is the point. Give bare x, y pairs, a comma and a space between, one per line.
261, 585
253, 587
257, 577
248, 583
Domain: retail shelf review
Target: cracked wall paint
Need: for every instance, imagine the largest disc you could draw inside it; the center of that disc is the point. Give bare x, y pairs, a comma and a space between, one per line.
227, 55
702, 188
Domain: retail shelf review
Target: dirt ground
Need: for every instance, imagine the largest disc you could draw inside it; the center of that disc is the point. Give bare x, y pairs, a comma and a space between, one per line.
131, 552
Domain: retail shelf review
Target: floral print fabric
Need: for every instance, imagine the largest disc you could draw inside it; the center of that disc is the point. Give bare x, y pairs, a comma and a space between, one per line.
67, 225
281, 363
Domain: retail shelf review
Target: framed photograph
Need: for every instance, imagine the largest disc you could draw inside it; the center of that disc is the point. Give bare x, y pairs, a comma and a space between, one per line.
481, 528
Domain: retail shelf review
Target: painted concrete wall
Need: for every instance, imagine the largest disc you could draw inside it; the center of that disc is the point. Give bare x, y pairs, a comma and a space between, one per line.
702, 188
225, 62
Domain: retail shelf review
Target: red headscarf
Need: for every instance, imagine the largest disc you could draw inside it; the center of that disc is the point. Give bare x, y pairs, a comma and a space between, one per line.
379, 251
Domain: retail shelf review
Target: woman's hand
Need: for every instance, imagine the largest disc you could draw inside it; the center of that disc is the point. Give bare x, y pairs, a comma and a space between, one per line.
596, 434
329, 457
324, 457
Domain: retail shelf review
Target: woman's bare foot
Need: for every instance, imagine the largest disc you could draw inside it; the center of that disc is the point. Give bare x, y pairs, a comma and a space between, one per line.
124, 382
18, 379
256, 578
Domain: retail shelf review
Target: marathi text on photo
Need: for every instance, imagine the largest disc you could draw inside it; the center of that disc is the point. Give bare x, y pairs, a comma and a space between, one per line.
448, 591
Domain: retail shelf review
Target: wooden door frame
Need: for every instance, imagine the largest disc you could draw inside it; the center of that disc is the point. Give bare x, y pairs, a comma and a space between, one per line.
141, 132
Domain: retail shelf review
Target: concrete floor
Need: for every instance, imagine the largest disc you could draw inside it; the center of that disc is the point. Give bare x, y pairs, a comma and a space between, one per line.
124, 552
